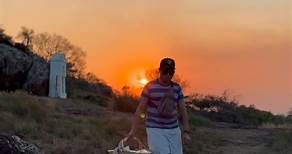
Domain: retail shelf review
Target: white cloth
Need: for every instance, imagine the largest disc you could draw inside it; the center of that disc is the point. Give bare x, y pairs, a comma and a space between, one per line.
164, 141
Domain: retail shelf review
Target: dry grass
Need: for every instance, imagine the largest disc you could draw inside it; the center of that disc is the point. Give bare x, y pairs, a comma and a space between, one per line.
42, 120
282, 142
77, 126
47, 123
274, 126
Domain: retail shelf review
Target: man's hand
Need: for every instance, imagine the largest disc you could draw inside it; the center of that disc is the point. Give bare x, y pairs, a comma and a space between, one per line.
186, 138
183, 112
140, 109
130, 135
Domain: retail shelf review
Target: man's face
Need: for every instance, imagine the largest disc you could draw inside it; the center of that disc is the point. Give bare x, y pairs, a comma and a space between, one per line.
166, 74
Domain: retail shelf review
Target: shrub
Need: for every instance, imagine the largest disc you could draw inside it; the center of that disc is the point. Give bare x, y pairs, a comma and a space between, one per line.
222, 109
125, 103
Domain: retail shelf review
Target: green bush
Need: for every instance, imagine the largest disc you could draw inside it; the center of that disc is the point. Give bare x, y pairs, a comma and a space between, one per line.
98, 93
223, 109
282, 141
125, 103
196, 120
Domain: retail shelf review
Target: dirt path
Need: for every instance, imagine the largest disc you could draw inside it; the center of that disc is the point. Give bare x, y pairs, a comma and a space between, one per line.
246, 141
235, 141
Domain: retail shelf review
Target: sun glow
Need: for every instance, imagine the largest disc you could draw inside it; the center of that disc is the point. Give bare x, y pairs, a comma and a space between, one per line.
143, 81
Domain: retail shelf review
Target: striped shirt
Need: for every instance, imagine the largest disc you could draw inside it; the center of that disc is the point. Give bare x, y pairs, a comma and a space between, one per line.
154, 92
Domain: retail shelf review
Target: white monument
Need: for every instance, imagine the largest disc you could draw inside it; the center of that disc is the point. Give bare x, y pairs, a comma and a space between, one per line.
58, 76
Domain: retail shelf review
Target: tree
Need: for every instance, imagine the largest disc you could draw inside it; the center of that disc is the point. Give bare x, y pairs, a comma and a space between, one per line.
26, 36
91, 78
4, 38
290, 113
76, 59
45, 45
2, 30
152, 74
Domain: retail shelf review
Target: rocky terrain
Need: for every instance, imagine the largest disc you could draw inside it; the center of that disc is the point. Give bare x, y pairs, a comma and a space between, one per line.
21, 69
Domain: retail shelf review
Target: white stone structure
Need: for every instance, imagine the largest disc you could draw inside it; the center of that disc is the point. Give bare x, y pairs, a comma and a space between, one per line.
58, 76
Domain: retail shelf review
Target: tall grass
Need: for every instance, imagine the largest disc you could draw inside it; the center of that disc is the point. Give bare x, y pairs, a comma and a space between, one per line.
125, 103
197, 120
41, 121
282, 142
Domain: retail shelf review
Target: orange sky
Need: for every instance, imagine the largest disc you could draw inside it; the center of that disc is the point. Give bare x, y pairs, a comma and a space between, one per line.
244, 46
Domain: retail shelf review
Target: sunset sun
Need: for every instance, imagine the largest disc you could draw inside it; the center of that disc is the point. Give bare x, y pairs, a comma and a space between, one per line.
138, 78
143, 81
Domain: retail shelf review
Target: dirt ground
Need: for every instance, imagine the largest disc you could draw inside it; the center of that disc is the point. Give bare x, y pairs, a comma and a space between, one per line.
239, 141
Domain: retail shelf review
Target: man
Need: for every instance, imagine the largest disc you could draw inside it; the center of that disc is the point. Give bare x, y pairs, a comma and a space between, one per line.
162, 100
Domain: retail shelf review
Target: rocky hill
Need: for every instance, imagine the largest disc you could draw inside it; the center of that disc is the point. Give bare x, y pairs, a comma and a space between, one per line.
21, 69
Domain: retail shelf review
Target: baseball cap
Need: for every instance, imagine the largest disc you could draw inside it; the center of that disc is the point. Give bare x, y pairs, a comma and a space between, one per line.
168, 63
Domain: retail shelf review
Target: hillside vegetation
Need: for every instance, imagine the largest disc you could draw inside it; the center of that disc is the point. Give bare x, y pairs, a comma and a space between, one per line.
80, 126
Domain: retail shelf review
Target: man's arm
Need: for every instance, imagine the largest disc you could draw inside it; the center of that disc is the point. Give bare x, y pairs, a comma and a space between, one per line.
184, 115
137, 117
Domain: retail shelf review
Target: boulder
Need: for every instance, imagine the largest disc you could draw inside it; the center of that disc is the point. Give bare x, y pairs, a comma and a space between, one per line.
20, 69
37, 79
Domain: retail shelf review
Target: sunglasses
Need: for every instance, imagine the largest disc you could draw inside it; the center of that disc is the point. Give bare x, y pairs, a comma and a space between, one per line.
167, 71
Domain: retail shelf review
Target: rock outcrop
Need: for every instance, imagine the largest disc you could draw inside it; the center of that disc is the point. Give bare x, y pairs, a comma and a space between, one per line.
21, 69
